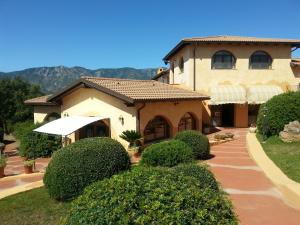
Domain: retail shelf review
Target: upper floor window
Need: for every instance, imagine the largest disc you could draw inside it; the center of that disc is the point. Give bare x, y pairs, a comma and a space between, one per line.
260, 60
223, 60
181, 65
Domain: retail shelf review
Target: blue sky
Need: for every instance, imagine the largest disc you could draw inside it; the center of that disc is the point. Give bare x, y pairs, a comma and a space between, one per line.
110, 34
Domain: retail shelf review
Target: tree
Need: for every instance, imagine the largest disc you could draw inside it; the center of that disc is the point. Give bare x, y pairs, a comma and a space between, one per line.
13, 93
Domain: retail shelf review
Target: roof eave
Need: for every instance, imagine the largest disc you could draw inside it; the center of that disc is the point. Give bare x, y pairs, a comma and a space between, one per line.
92, 85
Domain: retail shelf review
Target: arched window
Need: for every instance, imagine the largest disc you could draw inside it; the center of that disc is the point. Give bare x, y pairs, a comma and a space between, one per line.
156, 129
223, 60
187, 122
260, 60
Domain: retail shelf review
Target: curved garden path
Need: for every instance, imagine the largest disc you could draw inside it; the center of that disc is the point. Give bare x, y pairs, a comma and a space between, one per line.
256, 200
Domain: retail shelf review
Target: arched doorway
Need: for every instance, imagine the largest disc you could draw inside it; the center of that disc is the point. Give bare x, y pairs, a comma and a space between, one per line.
156, 129
97, 129
187, 122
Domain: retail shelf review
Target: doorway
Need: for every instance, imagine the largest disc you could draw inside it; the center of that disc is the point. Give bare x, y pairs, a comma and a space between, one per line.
228, 115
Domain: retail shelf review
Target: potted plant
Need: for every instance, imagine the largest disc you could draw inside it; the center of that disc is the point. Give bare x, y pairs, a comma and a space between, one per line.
28, 166
134, 139
2, 165
252, 128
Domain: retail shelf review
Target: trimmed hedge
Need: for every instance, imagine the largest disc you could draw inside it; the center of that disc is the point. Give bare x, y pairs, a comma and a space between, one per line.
33, 144
204, 176
278, 111
197, 141
150, 195
75, 166
167, 153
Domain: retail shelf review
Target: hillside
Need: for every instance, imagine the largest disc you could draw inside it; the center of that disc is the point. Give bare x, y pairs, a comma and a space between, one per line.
52, 79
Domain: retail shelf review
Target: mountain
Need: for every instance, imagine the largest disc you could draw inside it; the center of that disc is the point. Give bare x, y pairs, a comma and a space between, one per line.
55, 78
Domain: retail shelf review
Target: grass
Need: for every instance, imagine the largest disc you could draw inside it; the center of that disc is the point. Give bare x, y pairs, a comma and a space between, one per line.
32, 207
285, 155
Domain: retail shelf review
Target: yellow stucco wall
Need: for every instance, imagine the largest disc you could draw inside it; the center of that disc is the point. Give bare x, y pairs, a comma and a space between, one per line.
41, 112
172, 112
90, 102
280, 74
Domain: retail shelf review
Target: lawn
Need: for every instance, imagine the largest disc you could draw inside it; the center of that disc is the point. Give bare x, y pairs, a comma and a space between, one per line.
32, 207
285, 155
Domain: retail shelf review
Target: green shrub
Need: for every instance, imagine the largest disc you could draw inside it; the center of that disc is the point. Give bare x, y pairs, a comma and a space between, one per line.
150, 195
197, 141
278, 111
34, 145
204, 176
75, 166
1, 134
29, 162
167, 153
2, 161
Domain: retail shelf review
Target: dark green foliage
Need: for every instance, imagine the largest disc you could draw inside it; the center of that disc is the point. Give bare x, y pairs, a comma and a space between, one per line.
277, 112
204, 176
13, 93
75, 166
197, 141
150, 195
34, 145
167, 153
1, 134
131, 136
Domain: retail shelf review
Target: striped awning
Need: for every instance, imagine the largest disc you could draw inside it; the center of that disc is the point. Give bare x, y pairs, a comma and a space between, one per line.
225, 94
261, 93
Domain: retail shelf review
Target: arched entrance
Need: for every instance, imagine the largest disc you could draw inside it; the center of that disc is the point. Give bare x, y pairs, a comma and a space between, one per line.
187, 122
97, 129
157, 129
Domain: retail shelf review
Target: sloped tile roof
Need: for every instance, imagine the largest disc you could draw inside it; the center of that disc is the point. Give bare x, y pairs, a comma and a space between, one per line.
42, 100
144, 90
231, 39
130, 91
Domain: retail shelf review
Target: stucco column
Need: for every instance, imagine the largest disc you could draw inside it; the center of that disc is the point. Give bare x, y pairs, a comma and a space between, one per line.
174, 131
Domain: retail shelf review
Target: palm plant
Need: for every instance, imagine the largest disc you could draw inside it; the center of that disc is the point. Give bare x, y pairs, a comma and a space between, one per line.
131, 136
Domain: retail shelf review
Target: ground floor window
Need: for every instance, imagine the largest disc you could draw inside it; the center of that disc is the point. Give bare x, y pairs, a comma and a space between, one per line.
187, 122
97, 129
156, 129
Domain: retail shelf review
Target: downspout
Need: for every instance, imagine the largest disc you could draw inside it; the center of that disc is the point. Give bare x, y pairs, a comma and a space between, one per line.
139, 116
194, 69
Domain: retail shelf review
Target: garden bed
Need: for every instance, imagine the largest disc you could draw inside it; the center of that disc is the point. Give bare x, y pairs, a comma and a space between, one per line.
285, 155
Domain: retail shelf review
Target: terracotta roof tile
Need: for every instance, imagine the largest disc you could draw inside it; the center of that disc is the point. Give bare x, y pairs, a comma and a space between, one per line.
143, 90
42, 100
231, 39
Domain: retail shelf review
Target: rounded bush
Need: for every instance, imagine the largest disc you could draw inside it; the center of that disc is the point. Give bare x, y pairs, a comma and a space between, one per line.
167, 153
203, 175
150, 195
75, 166
197, 141
278, 111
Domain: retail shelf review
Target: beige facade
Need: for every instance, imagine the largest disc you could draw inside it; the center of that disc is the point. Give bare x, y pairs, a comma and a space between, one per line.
90, 102
197, 73
42, 112
280, 74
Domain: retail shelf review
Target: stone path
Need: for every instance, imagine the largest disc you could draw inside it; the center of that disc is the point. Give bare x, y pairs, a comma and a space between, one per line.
14, 172
256, 200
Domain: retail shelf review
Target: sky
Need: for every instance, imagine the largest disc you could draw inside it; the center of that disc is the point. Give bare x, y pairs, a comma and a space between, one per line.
128, 33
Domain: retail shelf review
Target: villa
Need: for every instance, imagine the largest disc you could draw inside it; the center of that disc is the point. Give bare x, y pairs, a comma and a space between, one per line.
211, 81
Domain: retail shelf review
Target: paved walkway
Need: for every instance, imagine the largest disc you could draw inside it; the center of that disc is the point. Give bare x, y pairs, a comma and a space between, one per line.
14, 171
256, 200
